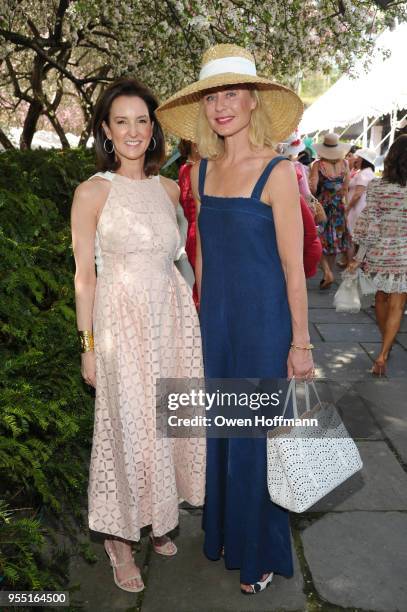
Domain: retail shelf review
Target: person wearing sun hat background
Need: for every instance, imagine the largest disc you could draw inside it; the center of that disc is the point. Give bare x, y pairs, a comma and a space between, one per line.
253, 301
358, 184
329, 181
291, 148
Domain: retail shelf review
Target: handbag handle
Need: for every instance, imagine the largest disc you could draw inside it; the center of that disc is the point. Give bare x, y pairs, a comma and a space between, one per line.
291, 391
311, 385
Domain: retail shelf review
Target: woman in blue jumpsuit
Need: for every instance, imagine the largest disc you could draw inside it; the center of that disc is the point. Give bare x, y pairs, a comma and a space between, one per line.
253, 305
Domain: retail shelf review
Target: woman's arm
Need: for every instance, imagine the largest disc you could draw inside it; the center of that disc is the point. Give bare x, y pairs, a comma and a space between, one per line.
357, 194
314, 177
172, 189
345, 186
198, 260
87, 204
282, 193
303, 181
181, 258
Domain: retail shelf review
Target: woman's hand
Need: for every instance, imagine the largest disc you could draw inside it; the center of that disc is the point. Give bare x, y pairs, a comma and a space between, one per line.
88, 368
300, 364
352, 266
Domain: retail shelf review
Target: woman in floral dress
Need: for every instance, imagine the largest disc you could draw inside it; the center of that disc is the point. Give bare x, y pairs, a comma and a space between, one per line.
381, 233
329, 181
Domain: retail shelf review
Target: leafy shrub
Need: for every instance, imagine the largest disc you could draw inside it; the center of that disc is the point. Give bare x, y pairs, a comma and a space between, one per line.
46, 412
51, 175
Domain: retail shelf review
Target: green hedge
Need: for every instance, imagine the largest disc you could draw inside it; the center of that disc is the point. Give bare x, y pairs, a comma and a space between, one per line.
46, 412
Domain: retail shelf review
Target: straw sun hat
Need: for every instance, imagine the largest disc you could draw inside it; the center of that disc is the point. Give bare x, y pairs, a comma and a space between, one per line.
224, 65
331, 148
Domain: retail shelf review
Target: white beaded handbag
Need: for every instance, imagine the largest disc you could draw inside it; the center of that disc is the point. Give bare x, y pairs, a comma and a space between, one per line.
306, 462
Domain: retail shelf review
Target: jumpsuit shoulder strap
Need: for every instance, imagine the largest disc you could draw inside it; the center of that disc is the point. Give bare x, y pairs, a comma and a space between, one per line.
259, 186
203, 164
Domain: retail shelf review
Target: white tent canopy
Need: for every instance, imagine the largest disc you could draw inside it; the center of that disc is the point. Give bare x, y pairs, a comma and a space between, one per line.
382, 90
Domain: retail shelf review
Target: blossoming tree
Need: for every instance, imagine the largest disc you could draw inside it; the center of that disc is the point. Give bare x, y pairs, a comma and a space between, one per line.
57, 55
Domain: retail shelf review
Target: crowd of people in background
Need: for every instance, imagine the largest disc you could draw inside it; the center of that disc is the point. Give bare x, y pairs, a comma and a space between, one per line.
333, 180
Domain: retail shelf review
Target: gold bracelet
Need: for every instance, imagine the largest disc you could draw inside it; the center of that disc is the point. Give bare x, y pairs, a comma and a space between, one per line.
86, 341
308, 347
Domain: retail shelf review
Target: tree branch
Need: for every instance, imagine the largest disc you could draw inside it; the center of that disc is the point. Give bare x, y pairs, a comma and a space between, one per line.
4, 140
53, 119
33, 28
59, 18
36, 45
16, 85
177, 19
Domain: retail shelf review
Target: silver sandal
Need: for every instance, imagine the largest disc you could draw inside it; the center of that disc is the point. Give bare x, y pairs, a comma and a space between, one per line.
259, 586
133, 577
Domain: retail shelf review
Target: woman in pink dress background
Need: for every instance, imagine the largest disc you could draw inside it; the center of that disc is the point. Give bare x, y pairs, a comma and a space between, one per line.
364, 172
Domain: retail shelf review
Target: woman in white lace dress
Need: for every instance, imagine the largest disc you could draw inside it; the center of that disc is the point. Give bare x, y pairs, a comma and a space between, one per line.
145, 328
381, 233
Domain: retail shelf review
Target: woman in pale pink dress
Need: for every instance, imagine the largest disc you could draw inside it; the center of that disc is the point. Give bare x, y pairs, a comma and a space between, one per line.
351, 158
145, 328
364, 170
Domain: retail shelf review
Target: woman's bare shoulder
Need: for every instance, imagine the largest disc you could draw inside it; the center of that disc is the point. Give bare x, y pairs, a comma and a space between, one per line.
94, 187
285, 167
91, 194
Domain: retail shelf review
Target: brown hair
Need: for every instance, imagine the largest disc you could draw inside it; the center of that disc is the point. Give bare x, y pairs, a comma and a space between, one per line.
126, 87
395, 163
366, 164
184, 148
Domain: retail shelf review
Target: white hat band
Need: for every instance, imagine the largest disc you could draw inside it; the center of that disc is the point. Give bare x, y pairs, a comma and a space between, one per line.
240, 65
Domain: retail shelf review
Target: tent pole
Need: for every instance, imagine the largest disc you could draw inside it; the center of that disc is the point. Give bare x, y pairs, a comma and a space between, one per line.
393, 125
388, 134
365, 130
371, 124
344, 131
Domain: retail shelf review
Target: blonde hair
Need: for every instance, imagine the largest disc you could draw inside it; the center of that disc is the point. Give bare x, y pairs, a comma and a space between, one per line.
211, 146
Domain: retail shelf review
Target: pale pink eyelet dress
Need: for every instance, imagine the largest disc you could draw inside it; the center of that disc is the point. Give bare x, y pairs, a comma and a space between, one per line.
361, 178
145, 327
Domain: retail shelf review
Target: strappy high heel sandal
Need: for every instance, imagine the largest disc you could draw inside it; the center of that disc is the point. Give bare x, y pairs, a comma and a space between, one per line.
257, 587
168, 549
325, 284
379, 368
134, 576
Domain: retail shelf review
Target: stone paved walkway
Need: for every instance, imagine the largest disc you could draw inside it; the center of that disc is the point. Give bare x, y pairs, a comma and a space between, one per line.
350, 549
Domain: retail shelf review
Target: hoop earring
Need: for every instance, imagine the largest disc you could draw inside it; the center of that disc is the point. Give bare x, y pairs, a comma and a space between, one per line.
155, 145
104, 146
